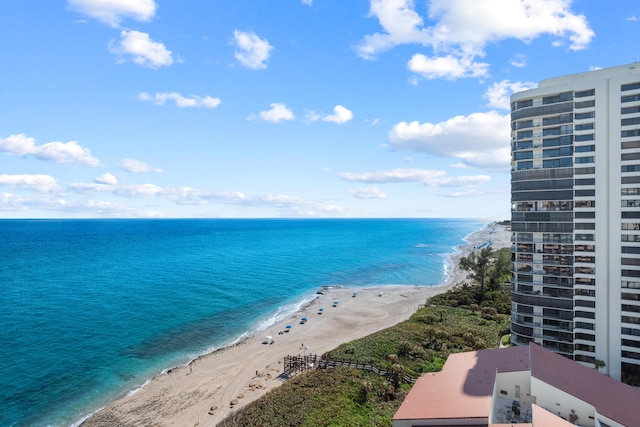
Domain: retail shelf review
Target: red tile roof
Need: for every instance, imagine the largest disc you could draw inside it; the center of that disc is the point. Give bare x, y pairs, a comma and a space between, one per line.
464, 387
611, 398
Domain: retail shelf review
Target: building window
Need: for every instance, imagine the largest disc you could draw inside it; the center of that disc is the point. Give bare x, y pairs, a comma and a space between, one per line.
525, 165
631, 98
584, 148
557, 152
581, 204
581, 160
630, 355
583, 237
564, 162
631, 343
587, 348
523, 145
630, 319
585, 325
524, 104
631, 121
630, 297
561, 97
630, 331
523, 155
584, 93
584, 292
630, 168
583, 116
631, 308
524, 134
630, 110
585, 104
588, 137
630, 86
630, 144
554, 142
585, 126
627, 284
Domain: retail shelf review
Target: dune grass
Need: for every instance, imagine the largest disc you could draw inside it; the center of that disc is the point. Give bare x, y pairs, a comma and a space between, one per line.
450, 323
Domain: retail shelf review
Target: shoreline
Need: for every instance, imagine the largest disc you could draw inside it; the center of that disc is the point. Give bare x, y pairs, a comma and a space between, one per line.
246, 369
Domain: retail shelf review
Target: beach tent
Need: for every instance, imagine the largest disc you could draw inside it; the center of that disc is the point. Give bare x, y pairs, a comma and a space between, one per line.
267, 340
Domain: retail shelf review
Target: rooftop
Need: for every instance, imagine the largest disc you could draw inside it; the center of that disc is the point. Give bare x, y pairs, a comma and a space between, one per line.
486, 386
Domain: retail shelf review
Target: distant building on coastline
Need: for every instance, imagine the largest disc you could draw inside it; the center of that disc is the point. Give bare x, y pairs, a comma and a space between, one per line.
528, 386
575, 193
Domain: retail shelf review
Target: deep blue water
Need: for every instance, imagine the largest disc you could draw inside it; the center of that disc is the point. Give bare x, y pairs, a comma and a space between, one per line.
91, 309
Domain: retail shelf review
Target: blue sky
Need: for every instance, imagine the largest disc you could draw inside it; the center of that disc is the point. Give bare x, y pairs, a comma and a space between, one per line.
280, 108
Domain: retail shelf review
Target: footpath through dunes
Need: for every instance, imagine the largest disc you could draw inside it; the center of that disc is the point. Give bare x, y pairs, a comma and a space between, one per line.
204, 392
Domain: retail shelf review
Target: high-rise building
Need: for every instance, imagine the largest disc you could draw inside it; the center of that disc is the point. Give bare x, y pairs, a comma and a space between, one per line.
575, 194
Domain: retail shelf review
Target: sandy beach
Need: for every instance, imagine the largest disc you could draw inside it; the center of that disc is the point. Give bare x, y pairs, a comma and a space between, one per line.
185, 396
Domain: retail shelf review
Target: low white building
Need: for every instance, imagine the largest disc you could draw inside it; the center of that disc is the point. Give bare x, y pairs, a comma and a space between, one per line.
518, 385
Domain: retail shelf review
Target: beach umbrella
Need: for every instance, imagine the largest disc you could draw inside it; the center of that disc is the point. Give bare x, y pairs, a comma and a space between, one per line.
288, 326
320, 310
335, 303
303, 320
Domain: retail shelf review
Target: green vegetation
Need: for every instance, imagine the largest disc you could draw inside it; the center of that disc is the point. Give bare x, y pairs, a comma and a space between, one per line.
506, 340
471, 317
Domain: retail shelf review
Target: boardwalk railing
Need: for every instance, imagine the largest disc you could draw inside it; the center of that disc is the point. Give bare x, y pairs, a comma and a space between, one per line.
296, 364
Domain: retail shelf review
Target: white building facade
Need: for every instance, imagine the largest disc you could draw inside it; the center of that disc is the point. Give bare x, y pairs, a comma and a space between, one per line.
575, 192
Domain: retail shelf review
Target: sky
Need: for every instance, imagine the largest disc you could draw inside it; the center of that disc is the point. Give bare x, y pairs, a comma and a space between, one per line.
280, 108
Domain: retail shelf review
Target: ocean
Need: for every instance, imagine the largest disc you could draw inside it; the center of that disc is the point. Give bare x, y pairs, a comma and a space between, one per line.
90, 310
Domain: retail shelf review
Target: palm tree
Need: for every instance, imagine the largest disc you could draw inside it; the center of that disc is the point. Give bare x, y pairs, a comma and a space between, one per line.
476, 265
597, 364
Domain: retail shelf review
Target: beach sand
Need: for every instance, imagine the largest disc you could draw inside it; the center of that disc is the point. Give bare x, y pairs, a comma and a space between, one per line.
185, 395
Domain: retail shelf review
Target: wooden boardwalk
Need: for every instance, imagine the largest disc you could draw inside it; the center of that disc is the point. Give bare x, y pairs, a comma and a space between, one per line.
296, 364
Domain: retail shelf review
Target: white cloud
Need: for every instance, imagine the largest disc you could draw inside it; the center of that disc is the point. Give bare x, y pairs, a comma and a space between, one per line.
277, 113
112, 12
253, 52
367, 193
142, 49
430, 178
307, 2
632, 18
59, 152
139, 190
135, 166
518, 61
161, 98
107, 179
40, 183
477, 140
340, 115
499, 93
448, 66
461, 29
401, 25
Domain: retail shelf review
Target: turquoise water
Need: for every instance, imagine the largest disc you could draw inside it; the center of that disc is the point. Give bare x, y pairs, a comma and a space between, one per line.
91, 309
